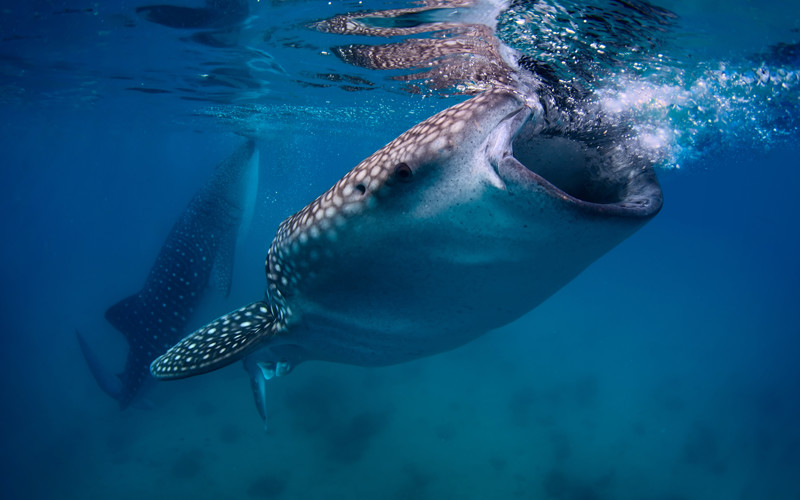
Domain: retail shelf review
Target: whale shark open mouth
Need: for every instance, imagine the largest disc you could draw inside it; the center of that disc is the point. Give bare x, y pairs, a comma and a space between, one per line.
597, 176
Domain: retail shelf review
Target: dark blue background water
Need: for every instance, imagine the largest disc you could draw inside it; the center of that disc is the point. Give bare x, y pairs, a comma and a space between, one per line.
668, 370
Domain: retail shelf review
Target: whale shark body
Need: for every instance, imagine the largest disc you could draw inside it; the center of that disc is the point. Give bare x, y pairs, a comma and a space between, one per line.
462, 224
199, 248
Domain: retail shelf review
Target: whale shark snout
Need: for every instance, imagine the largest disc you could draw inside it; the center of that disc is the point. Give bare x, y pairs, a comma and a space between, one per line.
590, 176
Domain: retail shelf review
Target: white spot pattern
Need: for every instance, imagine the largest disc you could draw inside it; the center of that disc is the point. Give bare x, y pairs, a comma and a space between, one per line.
213, 345
314, 227
309, 235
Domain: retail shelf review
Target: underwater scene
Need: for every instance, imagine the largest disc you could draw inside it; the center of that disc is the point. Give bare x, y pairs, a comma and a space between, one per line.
400, 249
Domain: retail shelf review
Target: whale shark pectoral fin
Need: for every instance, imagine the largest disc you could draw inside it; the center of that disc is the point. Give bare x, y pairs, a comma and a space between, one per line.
217, 344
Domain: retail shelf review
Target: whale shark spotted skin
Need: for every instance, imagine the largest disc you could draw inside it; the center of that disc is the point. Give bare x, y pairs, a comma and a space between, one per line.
444, 45
462, 224
200, 247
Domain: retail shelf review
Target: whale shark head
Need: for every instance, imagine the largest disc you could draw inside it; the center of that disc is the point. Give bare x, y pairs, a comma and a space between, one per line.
479, 184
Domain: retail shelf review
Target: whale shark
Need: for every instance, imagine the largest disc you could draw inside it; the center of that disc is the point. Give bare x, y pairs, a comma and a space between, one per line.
460, 225
199, 249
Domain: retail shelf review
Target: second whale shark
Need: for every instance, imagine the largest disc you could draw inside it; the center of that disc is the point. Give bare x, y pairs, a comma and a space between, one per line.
462, 224
199, 249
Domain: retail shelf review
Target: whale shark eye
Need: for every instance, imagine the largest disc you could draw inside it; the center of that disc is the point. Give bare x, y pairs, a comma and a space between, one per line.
403, 172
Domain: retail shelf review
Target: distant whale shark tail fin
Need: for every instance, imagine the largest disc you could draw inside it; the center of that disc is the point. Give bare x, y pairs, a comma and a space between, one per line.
219, 343
109, 382
124, 314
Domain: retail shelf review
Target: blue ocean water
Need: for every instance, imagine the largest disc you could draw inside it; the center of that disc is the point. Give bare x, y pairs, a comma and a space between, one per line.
667, 370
